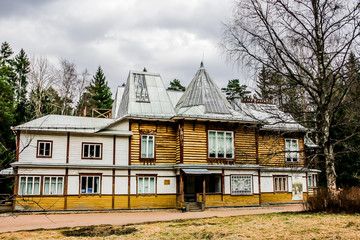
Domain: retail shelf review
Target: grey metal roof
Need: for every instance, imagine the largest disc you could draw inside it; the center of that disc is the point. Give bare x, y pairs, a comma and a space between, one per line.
7, 171
174, 96
196, 171
156, 103
269, 115
117, 100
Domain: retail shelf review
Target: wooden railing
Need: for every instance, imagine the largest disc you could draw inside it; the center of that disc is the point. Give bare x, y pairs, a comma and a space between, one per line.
101, 113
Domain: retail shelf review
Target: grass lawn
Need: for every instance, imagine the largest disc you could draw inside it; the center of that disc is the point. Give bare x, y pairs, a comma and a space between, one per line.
266, 226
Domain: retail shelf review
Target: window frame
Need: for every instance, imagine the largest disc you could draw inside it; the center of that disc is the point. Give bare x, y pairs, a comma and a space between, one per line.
286, 183
62, 185
147, 144
38, 148
33, 184
146, 176
99, 175
91, 143
314, 180
216, 147
292, 151
242, 175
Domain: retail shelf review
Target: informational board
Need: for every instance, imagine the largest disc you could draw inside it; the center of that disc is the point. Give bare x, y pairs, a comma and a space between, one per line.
297, 188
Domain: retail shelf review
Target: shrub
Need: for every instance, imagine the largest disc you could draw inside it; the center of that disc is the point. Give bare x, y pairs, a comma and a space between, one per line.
346, 200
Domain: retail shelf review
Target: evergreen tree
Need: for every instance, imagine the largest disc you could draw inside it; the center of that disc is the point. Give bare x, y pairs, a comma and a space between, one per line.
175, 85
234, 89
22, 68
100, 91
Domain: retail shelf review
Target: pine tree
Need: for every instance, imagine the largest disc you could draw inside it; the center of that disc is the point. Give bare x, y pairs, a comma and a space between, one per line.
22, 68
175, 85
100, 91
234, 89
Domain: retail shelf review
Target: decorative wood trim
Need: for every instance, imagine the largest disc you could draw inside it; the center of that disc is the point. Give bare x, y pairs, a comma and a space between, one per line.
91, 158
68, 147
37, 148
17, 145
114, 149
243, 194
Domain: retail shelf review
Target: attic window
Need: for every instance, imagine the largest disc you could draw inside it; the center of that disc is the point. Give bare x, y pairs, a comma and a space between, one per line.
141, 91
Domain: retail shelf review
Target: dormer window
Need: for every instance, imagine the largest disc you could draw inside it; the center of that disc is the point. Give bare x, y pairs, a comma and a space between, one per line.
141, 91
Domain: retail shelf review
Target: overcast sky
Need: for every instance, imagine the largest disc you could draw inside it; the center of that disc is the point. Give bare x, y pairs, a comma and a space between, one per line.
168, 37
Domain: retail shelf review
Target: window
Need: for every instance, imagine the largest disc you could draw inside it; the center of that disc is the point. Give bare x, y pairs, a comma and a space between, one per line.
53, 185
312, 180
90, 184
146, 184
221, 144
29, 186
291, 150
241, 184
92, 150
280, 184
147, 146
44, 149
141, 91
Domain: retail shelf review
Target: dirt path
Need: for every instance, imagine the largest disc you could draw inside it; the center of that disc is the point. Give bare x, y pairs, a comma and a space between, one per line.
10, 223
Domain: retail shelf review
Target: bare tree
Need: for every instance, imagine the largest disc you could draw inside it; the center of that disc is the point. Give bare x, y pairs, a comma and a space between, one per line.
307, 42
41, 78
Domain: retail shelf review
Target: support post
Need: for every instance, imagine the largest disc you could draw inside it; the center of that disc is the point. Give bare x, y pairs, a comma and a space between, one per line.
181, 187
204, 189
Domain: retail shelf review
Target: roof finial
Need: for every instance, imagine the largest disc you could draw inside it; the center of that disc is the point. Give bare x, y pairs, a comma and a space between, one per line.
144, 69
201, 64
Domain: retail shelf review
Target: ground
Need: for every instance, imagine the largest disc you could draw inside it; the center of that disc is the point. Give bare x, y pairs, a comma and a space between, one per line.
263, 226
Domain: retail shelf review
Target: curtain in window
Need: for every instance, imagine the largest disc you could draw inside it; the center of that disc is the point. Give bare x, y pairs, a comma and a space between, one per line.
229, 145
212, 144
143, 146
36, 185
151, 147
141, 185
146, 185
221, 147
29, 185
46, 185
59, 186
152, 185
22, 185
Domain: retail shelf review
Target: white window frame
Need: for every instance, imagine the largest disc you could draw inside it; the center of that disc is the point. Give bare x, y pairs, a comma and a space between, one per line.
56, 185
26, 183
44, 142
87, 184
95, 152
290, 151
282, 182
141, 185
241, 192
312, 180
147, 146
217, 145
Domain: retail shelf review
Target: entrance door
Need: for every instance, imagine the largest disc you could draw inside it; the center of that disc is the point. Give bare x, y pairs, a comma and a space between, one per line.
192, 185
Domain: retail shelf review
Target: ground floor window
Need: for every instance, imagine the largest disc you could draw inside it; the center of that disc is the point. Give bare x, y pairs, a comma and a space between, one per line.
146, 184
312, 180
241, 184
29, 185
53, 185
90, 184
280, 184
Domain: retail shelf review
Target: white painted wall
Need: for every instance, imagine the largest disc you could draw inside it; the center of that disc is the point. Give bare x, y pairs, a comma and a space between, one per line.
162, 175
42, 171
28, 147
121, 182
227, 179
122, 125
122, 151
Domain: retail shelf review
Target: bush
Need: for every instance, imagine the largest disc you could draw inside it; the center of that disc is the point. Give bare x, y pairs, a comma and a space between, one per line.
346, 200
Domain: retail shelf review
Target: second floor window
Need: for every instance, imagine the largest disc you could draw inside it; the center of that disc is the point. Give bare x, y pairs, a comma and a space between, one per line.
291, 150
44, 149
221, 144
92, 150
147, 146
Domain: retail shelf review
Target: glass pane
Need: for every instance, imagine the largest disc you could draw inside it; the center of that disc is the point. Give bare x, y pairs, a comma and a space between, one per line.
151, 147
83, 184
294, 146
46, 185
37, 185
287, 145
143, 146
22, 185
90, 184
97, 185
86, 150
152, 185
229, 145
141, 185
91, 151
41, 149
221, 147
98, 151
212, 145
60, 185
53, 185
146, 185
29, 185
47, 149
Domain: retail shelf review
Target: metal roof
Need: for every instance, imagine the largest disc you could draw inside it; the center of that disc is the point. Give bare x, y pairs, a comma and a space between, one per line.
196, 171
7, 171
117, 100
154, 102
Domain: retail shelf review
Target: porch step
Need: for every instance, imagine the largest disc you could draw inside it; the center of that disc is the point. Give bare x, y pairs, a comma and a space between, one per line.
193, 207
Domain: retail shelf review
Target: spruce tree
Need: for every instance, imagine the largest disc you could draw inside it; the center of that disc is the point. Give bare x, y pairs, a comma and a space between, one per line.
22, 68
100, 91
175, 85
235, 89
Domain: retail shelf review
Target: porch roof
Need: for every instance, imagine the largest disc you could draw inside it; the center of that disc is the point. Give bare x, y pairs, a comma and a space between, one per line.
196, 171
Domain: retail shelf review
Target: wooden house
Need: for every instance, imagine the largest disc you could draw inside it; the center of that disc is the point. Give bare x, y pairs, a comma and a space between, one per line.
162, 149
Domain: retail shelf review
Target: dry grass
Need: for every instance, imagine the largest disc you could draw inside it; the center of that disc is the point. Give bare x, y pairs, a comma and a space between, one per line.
267, 226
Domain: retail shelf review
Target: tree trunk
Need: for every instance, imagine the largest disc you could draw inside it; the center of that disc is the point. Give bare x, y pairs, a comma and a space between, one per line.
330, 168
